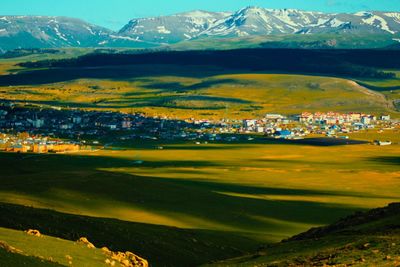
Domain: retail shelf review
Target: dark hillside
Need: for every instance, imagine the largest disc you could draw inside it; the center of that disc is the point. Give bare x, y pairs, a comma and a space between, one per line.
354, 63
363, 239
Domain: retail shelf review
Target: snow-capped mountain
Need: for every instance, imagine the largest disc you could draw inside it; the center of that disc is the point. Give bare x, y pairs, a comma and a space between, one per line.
48, 32
251, 21
45, 32
172, 29
258, 21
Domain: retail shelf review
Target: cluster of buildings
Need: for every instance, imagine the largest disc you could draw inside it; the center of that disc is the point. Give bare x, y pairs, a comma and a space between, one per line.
326, 123
23, 143
359, 120
86, 127
82, 125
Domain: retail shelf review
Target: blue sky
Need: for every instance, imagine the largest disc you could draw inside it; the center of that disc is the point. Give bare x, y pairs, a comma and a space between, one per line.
115, 13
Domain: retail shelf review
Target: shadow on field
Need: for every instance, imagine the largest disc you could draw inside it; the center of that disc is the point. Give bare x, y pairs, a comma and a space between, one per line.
387, 160
89, 186
203, 102
379, 88
201, 199
243, 143
176, 86
120, 73
320, 141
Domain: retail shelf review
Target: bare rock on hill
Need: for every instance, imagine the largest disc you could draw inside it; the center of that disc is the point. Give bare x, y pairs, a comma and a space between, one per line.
33, 232
127, 259
4, 245
85, 241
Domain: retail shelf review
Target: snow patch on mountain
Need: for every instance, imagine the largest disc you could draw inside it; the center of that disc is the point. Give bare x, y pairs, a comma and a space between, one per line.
89, 30
336, 23
59, 34
362, 14
162, 29
285, 16
394, 15
378, 21
123, 38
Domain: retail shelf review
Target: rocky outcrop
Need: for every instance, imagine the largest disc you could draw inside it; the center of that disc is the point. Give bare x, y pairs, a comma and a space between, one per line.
126, 259
85, 241
33, 232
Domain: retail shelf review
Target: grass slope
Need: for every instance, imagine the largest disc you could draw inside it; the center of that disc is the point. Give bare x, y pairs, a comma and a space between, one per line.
363, 239
46, 251
18, 260
214, 96
161, 245
8, 65
51, 249
263, 192
390, 88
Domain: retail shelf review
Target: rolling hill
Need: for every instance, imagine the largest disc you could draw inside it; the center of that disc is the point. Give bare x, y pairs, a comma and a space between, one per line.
363, 239
19, 248
215, 96
211, 84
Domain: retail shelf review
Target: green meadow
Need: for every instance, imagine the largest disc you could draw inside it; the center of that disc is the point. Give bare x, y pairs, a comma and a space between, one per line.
180, 91
197, 202
213, 96
262, 192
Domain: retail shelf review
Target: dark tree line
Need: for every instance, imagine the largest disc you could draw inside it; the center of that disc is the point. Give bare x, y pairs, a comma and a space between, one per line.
352, 63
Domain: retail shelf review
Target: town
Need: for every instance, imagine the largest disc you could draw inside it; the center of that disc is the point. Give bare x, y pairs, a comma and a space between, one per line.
27, 128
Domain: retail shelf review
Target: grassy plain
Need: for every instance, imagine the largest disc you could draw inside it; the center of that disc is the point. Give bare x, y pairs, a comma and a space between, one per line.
193, 91
212, 96
263, 191
229, 196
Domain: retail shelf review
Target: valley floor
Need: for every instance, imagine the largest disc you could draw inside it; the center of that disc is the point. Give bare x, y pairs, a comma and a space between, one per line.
263, 192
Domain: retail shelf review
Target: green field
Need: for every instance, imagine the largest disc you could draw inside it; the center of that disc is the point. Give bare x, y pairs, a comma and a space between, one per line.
190, 204
264, 192
195, 91
214, 96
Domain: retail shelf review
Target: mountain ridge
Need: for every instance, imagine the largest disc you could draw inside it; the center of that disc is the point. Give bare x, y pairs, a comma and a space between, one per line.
254, 20
56, 32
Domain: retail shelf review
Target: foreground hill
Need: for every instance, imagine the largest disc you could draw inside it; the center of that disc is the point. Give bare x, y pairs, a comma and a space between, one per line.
200, 203
31, 248
362, 239
189, 247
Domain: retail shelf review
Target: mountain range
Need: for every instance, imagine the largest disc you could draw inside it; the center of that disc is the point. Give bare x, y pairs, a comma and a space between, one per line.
47, 32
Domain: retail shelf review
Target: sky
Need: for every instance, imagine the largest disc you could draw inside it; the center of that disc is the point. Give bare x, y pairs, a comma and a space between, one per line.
114, 14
